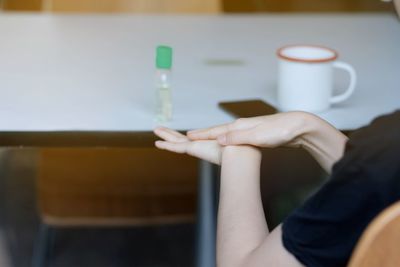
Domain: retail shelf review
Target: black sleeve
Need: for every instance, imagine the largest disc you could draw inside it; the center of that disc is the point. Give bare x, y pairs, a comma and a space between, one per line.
324, 231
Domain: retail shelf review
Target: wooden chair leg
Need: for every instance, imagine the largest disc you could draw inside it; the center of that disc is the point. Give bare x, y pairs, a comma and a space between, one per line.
43, 246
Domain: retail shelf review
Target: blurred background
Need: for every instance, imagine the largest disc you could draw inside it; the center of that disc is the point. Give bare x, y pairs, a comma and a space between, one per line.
111, 207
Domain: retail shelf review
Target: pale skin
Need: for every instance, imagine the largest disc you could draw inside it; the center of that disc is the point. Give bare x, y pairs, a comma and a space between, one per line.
243, 236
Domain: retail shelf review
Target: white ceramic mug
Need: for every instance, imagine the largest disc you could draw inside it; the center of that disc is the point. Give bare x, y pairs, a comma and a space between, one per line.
306, 78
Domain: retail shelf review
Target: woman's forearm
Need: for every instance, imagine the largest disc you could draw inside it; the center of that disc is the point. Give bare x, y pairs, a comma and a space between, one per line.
323, 141
241, 221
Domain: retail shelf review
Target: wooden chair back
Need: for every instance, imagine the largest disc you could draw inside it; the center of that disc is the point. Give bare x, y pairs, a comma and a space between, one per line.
115, 187
134, 6
379, 245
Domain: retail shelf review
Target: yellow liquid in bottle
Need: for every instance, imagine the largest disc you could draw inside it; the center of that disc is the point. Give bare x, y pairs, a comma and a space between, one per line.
164, 104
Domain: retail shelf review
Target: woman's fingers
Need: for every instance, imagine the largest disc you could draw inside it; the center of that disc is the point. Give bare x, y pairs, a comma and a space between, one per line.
213, 132
174, 141
173, 147
170, 135
173, 132
240, 137
209, 133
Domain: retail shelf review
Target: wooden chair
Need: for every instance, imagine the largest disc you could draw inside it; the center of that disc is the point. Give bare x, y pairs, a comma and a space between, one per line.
379, 245
111, 187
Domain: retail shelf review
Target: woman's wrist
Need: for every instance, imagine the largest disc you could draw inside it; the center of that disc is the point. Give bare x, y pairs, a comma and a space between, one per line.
242, 152
317, 130
303, 124
321, 139
240, 166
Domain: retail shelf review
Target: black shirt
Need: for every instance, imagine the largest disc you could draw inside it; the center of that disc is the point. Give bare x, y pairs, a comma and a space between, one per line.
325, 230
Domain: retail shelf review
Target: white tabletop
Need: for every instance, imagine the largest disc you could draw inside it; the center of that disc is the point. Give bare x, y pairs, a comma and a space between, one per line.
95, 73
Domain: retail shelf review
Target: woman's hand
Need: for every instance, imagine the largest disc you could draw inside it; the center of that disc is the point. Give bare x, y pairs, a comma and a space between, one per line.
174, 141
263, 131
294, 129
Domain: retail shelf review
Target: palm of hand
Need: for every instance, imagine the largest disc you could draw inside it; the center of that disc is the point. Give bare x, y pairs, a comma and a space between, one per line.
174, 141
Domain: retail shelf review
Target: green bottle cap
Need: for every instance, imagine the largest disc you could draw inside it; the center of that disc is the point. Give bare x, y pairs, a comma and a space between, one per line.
164, 57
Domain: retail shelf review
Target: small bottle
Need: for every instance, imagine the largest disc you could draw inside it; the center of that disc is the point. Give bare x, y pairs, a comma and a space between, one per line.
163, 83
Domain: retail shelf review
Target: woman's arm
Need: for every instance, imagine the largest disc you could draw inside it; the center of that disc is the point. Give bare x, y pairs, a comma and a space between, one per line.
243, 237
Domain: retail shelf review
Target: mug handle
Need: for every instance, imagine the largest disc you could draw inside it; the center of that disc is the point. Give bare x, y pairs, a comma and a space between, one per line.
353, 80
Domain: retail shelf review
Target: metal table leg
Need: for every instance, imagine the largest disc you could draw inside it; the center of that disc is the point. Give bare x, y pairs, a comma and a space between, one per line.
43, 246
206, 220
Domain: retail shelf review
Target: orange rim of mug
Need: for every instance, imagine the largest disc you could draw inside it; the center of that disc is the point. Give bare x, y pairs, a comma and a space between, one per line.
294, 59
